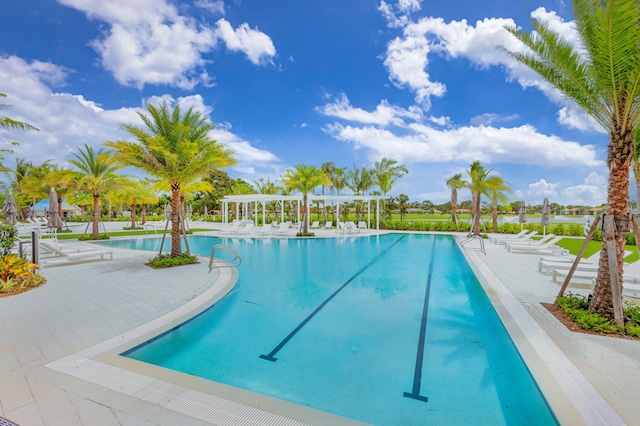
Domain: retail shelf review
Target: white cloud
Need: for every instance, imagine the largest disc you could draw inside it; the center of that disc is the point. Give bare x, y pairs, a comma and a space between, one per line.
488, 119
426, 144
149, 42
384, 114
245, 153
407, 57
592, 192
215, 7
85, 121
541, 189
255, 44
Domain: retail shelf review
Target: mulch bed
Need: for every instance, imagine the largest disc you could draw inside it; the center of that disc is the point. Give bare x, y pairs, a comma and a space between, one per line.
172, 266
572, 326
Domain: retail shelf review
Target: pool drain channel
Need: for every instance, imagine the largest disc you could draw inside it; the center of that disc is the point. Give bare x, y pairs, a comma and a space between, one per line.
271, 355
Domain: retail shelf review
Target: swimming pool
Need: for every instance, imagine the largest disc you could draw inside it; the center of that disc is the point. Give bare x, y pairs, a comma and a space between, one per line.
388, 330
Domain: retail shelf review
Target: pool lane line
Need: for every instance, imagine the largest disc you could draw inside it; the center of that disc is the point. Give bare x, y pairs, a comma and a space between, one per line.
417, 375
270, 356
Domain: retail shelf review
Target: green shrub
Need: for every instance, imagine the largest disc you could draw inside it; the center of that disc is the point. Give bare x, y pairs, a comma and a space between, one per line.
573, 301
8, 237
166, 261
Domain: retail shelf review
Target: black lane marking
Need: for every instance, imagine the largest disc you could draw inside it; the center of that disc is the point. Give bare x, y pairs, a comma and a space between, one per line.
270, 356
417, 375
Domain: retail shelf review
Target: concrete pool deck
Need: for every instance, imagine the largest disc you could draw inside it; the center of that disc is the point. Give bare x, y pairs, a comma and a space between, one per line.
83, 306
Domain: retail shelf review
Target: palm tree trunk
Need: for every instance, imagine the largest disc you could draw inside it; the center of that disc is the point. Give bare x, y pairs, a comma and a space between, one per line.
475, 212
133, 215
95, 230
454, 206
176, 248
617, 205
305, 222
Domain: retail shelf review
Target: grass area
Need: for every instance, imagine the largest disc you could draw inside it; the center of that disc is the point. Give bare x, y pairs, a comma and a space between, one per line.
574, 245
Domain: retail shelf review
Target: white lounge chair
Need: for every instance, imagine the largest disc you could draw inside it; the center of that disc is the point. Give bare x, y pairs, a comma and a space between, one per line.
547, 248
328, 225
362, 226
523, 238
502, 237
315, 225
631, 274
529, 243
246, 229
67, 254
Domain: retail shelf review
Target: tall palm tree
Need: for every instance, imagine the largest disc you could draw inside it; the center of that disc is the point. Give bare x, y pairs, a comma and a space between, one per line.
96, 174
386, 172
498, 190
478, 185
304, 178
174, 147
601, 74
338, 183
454, 183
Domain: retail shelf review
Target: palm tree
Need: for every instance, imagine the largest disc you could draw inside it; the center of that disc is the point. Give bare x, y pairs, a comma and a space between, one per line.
386, 172
62, 181
80, 199
478, 185
359, 180
96, 174
176, 148
9, 123
304, 178
601, 74
402, 205
498, 189
454, 183
329, 170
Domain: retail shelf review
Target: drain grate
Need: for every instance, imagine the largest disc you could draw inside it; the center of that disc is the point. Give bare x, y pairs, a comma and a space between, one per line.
5, 422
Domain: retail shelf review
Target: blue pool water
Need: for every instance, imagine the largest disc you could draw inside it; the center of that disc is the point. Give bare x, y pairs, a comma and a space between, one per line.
389, 330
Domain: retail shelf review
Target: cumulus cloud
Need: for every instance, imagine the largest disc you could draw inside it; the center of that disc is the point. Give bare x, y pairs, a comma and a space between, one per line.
488, 119
385, 114
83, 120
425, 144
149, 42
249, 157
592, 192
541, 189
407, 57
255, 44
215, 7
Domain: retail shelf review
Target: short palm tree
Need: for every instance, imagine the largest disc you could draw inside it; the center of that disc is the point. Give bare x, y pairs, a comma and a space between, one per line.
95, 174
454, 183
478, 185
601, 74
498, 190
305, 179
176, 148
386, 172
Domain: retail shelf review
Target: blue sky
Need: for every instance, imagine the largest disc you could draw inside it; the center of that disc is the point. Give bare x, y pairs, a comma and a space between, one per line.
290, 82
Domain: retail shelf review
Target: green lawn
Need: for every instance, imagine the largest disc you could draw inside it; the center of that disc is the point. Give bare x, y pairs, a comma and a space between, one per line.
574, 245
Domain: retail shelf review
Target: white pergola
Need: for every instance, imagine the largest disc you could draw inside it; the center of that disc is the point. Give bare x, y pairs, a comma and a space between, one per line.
251, 202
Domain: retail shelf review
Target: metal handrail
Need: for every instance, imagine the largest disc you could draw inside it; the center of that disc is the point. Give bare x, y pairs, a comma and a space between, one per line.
230, 263
466, 241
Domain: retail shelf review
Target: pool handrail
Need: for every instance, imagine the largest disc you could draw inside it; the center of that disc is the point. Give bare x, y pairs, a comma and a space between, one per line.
229, 263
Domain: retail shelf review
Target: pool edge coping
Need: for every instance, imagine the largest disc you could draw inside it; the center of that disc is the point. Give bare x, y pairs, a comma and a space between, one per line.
567, 391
